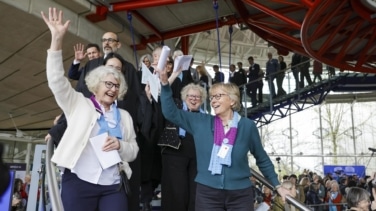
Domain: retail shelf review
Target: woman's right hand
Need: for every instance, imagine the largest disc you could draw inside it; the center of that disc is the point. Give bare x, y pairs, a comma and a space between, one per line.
54, 21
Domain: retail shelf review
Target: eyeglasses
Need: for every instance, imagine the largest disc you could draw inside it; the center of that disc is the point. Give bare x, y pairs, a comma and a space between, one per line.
196, 97
109, 40
109, 85
217, 96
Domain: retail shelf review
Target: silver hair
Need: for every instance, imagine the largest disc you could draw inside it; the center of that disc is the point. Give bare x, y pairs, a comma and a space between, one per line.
94, 78
148, 56
193, 86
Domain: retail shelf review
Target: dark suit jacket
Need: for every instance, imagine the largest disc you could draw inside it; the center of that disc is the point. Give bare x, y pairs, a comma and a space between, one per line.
74, 71
254, 74
238, 78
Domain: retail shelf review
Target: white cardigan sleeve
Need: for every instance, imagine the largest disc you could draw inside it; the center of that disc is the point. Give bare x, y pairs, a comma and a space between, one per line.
128, 146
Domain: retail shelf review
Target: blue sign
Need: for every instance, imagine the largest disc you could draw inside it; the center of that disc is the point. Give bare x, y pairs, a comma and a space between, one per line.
338, 171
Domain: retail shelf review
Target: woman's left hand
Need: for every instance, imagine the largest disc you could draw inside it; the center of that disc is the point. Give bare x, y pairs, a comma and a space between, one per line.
111, 143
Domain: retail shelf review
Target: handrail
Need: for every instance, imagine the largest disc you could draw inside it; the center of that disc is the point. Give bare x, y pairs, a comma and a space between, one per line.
290, 199
54, 193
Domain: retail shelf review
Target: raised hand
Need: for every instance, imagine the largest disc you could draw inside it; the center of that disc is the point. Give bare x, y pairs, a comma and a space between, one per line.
57, 28
163, 77
79, 52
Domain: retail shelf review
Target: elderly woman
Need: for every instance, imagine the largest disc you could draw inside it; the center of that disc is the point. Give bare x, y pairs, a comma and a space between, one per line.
86, 184
222, 144
179, 157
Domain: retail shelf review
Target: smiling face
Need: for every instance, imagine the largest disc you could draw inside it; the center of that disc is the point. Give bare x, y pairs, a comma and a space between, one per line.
193, 99
220, 101
107, 91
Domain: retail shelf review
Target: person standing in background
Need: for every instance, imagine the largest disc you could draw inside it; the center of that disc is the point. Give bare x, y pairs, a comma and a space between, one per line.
272, 67
219, 76
304, 71
238, 79
317, 70
295, 60
281, 76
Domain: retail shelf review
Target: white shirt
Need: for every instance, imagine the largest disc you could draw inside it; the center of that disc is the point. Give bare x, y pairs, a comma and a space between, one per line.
88, 167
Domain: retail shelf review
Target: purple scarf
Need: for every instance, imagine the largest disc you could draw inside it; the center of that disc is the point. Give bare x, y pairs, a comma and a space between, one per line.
223, 140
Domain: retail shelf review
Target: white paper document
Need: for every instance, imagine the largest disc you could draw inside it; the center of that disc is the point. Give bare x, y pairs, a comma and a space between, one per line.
182, 62
106, 159
152, 80
163, 58
145, 74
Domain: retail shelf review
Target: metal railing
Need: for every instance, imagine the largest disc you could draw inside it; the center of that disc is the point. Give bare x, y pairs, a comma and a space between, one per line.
290, 199
54, 192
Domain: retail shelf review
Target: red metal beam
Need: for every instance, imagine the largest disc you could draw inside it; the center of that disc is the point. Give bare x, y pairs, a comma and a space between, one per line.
280, 44
273, 13
230, 20
101, 11
143, 20
137, 4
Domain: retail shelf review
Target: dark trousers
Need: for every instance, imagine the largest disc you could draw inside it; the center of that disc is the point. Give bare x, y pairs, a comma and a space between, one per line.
212, 199
252, 93
178, 174
295, 73
134, 184
316, 76
79, 195
304, 73
280, 90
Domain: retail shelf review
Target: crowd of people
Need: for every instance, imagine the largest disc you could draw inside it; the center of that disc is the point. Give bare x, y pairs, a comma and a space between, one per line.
327, 193
169, 139
200, 160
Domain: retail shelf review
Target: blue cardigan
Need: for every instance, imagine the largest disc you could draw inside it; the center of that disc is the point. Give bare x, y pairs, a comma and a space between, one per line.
201, 126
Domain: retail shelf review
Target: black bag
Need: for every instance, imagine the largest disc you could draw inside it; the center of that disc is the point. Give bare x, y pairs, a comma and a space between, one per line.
170, 137
124, 182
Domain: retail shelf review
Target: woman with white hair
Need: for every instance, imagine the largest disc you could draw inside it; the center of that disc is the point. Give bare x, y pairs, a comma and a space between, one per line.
86, 183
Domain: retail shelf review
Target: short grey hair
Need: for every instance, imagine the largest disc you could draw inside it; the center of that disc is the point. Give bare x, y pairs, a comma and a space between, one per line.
94, 78
193, 86
355, 195
232, 90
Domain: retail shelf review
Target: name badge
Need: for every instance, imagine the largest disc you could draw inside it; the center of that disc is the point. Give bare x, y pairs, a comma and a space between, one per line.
223, 151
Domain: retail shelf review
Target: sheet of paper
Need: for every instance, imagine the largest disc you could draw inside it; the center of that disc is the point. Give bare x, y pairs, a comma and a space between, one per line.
183, 61
152, 80
106, 159
145, 74
163, 58
155, 85
263, 207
